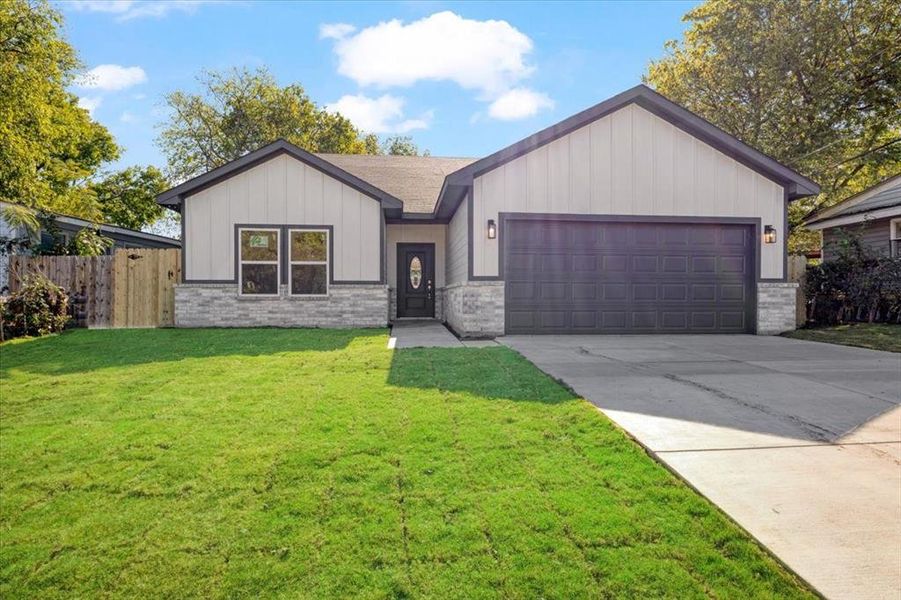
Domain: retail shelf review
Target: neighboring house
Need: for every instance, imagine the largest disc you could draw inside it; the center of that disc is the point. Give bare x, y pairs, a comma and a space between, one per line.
874, 214
634, 216
69, 226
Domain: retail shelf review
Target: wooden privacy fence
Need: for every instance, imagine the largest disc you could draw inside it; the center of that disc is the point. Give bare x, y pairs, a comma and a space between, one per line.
135, 287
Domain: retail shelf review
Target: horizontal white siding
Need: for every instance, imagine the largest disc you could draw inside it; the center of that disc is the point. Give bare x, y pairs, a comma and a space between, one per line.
423, 234
458, 246
630, 162
281, 191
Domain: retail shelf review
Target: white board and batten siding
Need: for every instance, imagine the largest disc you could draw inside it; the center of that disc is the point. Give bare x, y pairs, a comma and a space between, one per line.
630, 162
281, 191
457, 246
413, 233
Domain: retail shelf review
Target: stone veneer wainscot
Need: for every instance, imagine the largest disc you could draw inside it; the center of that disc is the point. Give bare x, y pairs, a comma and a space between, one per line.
219, 305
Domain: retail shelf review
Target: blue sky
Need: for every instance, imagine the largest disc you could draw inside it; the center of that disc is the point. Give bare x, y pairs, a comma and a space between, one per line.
463, 79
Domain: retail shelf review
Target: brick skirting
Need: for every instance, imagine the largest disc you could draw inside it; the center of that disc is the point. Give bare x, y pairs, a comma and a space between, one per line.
219, 305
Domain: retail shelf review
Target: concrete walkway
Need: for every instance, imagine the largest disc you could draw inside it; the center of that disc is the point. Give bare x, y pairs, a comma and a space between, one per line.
427, 333
799, 442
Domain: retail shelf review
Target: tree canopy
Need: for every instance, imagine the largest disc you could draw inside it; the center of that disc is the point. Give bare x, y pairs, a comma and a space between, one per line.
815, 84
240, 110
128, 197
401, 145
48, 145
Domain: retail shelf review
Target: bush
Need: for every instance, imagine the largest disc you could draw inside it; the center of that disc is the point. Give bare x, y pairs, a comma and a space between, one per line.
857, 286
39, 307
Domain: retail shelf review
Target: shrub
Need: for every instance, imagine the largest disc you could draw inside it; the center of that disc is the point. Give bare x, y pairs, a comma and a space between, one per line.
39, 307
857, 286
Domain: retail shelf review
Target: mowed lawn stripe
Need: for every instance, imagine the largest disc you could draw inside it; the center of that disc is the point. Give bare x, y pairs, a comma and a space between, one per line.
317, 463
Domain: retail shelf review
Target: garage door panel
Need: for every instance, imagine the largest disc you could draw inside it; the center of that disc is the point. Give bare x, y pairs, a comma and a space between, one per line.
628, 277
675, 264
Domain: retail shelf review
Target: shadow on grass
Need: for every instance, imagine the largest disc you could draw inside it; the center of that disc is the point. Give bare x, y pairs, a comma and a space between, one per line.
83, 350
490, 373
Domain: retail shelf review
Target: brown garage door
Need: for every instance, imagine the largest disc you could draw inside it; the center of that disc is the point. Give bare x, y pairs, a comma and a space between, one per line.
615, 277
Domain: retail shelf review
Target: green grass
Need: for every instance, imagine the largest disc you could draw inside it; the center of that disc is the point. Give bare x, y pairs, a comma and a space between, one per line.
319, 464
877, 336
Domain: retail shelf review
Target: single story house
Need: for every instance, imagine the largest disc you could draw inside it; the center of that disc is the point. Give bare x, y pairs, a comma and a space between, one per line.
633, 216
873, 214
122, 237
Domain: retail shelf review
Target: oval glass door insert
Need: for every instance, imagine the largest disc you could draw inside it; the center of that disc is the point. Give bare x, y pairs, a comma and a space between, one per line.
415, 272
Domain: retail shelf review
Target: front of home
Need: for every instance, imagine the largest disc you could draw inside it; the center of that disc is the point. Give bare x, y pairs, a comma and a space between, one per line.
634, 216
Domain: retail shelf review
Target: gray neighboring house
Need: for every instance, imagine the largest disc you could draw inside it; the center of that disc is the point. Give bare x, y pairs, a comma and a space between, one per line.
633, 216
69, 226
874, 214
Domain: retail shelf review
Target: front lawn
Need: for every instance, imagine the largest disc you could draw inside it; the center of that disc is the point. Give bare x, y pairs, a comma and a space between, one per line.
320, 464
877, 336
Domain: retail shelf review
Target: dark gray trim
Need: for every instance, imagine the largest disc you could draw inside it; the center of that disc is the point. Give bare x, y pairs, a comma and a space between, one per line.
407, 220
383, 259
797, 185
184, 248
176, 195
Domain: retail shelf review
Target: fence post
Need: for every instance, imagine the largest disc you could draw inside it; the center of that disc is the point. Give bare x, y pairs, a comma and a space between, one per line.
797, 270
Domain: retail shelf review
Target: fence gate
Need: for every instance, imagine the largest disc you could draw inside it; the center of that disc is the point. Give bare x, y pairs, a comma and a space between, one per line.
144, 287
133, 288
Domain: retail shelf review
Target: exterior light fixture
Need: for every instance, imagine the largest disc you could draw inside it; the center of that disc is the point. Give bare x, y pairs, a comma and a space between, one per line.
492, 229
769, 234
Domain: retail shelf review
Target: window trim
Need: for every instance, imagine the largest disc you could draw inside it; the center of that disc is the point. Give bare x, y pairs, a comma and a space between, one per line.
894, 237
277, 262
327, 263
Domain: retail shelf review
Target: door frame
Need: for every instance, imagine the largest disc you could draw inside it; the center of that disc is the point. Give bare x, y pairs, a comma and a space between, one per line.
401, 273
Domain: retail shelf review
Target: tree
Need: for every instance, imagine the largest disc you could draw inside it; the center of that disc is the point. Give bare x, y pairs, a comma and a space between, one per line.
239, 111
128, 197
401, 146
49, 146
815, 84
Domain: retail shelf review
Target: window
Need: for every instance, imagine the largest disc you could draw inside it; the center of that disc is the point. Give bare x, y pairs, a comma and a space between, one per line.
309, 262
258, 261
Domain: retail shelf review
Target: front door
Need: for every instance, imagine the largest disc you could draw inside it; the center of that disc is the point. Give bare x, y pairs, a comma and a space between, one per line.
416, 280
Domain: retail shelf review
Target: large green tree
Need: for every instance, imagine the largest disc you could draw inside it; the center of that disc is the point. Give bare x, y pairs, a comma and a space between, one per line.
814, 83
49, 147
240, 110
128, 197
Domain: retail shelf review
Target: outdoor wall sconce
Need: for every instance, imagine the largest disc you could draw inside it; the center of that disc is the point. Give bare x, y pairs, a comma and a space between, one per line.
769, 235
492, 229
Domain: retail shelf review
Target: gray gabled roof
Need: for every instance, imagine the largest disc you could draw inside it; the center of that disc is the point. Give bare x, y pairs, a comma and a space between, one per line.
416, 180
173, 197
797, 185
108, 228
885, 194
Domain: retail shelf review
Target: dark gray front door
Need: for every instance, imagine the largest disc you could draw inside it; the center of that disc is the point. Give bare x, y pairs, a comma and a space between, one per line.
615, 277
416, 280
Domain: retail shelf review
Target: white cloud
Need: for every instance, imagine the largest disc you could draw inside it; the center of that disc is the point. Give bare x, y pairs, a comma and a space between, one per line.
126, 10
111, 77
384, 114
519, 103
90, 103
488, 56
127, 117
335, 31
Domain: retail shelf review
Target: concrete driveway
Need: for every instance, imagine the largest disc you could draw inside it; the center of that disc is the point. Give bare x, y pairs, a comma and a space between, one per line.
800, 442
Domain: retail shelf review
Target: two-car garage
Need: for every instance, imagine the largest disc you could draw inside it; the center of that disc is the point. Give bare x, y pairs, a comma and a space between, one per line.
591, 276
